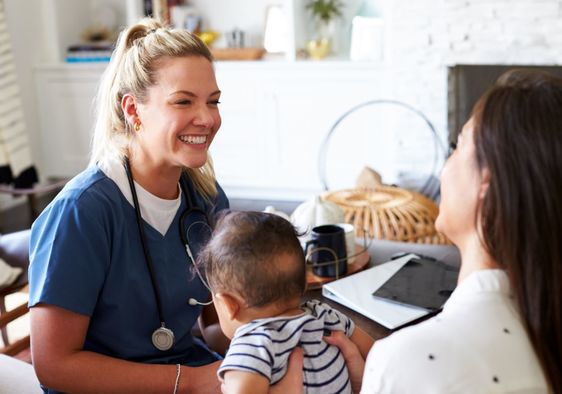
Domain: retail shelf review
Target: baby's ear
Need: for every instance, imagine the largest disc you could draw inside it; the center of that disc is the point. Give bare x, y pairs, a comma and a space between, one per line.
231, 304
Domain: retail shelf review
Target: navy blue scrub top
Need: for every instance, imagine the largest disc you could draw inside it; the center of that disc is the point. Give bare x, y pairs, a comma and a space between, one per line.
86, 257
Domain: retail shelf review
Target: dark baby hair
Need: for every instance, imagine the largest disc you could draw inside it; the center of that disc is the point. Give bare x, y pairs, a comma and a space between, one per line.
256, 255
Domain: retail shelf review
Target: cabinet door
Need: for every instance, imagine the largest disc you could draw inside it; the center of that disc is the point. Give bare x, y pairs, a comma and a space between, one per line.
238, 148
306, 106
66, 117
275, 118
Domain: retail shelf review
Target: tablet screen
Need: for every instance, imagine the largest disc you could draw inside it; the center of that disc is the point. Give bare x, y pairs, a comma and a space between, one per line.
422, 282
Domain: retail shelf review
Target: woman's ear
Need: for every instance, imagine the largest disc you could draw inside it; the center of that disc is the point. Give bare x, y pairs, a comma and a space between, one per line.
484, 183
231, 304
129, 107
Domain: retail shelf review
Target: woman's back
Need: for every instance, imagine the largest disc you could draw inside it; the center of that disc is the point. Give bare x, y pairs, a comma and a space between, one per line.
477, 344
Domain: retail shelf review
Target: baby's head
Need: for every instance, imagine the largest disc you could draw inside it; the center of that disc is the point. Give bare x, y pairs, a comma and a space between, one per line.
253, 262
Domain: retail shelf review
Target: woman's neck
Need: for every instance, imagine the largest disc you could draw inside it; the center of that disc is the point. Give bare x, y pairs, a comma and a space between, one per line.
158, 180
474, 257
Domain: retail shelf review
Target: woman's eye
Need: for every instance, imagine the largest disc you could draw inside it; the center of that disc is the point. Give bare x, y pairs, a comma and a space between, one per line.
215, 102
184, 102
452, 148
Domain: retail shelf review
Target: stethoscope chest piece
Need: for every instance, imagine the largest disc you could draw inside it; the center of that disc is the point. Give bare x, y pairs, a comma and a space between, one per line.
163, 338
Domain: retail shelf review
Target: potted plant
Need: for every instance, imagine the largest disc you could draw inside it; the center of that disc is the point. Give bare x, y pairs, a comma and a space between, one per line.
325, 10
324, 14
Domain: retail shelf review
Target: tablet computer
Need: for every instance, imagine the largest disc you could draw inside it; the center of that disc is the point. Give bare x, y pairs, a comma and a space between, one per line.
422, 282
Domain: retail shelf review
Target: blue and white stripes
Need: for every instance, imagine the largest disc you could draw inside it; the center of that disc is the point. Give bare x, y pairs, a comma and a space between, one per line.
263, 347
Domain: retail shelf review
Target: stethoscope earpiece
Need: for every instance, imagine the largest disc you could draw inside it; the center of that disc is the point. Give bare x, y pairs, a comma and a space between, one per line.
194, 302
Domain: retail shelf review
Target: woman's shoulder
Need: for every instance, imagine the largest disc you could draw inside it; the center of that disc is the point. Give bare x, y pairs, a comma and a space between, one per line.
446, 353
412, 359
422, 337
91, 181
89, 191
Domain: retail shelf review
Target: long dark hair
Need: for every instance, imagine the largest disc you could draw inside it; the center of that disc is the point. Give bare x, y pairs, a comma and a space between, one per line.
518, 138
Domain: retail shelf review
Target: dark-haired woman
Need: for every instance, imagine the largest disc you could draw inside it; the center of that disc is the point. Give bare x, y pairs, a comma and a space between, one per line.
501, 204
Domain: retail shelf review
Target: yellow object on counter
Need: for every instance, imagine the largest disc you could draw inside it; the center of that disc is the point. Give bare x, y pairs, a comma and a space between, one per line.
208, 36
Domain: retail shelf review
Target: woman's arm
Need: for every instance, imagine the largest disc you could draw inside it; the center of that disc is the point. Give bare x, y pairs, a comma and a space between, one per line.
244, 382
292, 382
363, 341
57, 339
352, 354
211, 330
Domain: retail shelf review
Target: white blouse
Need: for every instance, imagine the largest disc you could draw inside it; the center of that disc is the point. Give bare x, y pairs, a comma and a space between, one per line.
477, 344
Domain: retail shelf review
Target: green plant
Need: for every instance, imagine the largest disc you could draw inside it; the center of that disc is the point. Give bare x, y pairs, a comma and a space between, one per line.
326, 10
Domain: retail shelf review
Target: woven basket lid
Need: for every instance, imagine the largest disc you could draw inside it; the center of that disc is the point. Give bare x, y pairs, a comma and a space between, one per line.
388, 212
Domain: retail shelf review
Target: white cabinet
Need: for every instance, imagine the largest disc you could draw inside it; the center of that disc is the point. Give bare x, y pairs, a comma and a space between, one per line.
275, 116
66, 116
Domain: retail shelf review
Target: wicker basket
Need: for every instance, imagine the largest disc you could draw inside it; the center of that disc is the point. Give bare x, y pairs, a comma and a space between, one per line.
391, 213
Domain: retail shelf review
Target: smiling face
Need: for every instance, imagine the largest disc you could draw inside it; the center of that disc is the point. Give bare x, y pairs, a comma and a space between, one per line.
180, 116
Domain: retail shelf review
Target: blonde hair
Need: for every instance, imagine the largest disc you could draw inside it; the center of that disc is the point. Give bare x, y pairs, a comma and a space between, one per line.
132, 70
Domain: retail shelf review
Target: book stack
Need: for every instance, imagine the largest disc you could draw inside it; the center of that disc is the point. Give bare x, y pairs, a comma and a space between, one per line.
92, 52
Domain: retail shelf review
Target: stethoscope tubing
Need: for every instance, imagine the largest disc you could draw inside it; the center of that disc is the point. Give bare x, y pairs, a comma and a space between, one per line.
189, 210
146, 252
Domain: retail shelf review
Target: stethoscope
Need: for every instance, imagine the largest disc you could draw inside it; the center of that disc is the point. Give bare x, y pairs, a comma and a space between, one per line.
163, 337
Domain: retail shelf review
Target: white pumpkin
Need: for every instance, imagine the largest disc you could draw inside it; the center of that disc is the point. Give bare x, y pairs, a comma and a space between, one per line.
316, 212
271, 209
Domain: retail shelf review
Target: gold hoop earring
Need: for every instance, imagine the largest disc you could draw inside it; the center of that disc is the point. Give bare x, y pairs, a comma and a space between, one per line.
137, 126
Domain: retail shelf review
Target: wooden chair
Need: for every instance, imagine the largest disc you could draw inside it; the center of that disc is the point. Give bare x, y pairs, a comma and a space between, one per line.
14, 250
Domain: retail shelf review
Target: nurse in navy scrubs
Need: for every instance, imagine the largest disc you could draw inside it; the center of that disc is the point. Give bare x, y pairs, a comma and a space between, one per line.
113, 295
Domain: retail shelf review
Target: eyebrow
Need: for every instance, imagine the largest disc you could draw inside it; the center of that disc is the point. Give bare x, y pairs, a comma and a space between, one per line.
191, 94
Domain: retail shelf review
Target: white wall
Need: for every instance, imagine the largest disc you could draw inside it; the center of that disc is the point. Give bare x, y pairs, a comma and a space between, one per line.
425, 36
422, 37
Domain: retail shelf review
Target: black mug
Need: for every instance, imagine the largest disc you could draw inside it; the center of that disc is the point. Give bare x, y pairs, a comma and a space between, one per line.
328, 254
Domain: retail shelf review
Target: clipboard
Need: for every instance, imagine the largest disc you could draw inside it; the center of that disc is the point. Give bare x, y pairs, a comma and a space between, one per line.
422, 282
355, 292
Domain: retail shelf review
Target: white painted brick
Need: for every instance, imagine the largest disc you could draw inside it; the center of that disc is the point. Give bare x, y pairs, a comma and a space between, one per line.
527, 10
427, 35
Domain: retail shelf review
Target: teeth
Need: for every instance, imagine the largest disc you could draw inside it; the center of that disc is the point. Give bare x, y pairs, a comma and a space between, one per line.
194, 139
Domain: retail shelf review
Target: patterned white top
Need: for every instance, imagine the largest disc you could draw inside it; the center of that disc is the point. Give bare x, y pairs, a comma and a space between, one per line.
477, 344
263, 346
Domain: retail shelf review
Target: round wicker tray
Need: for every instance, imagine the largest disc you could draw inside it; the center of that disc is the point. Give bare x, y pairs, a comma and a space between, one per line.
388, 212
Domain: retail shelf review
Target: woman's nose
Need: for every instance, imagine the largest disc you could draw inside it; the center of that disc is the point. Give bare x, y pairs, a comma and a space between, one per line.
204, 117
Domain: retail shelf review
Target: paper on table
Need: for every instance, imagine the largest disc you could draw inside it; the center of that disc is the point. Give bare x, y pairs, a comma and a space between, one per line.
355, 292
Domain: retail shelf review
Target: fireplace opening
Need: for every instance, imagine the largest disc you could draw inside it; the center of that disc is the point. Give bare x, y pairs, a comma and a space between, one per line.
466, 83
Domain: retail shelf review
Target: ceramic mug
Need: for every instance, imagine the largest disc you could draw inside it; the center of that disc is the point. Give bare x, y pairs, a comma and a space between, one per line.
349, 231
326, 250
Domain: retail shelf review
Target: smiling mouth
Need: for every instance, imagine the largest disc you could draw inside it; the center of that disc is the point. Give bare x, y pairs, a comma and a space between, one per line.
193, 139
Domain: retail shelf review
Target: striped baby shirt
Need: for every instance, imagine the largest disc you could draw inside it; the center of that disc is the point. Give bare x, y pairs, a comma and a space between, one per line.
263, 346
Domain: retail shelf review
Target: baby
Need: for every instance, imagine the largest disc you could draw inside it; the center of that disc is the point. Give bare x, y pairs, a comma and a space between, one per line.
255, 267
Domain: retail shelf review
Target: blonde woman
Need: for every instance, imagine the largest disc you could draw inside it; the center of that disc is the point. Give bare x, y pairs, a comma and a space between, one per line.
112, 296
